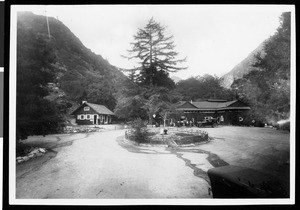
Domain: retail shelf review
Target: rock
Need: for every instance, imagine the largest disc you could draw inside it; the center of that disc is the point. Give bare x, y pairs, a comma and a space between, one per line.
31, 149
20, 161
42, 150
31, 155
39, 154
34, 151
25, 158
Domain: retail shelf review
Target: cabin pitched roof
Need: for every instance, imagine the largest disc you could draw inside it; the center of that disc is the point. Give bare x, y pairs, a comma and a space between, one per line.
100, 109
214, 105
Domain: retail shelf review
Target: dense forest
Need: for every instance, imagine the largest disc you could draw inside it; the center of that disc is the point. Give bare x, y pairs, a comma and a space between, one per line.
55, 72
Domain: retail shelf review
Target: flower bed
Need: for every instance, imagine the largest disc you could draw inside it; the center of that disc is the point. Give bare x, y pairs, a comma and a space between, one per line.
81, 129
189, 138
181, 137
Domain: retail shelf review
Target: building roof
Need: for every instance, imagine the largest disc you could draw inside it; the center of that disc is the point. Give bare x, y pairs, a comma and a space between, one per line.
100, 109
212, 105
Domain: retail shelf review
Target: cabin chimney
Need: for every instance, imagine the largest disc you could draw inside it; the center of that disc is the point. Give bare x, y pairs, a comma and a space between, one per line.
191, 101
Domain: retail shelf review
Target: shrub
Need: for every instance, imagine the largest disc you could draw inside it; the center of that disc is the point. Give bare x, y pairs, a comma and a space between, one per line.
138, 131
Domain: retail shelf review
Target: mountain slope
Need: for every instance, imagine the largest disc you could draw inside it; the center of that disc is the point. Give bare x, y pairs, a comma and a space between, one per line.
80, 73
175, 79
242, 68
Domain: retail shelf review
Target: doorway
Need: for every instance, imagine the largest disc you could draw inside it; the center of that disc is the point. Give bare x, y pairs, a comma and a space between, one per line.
95, 119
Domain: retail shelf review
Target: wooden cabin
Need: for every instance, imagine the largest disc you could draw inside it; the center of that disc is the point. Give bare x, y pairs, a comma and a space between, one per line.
92, 114
228, 112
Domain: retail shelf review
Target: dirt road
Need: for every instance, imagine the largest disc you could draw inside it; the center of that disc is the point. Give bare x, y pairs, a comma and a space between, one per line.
105, 165
98, 167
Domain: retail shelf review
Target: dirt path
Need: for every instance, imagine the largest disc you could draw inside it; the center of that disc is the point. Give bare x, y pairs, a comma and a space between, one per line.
98, 167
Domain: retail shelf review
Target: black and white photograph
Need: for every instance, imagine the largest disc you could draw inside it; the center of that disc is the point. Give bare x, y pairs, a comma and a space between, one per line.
152, 104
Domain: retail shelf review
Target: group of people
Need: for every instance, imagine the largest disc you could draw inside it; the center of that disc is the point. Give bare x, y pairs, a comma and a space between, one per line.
183, 123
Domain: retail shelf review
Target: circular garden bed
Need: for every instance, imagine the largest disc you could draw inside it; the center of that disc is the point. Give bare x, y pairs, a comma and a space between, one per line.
180, 137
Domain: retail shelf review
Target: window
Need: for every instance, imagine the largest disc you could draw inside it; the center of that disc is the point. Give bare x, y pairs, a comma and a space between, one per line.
82, 117
86, 108
88, 116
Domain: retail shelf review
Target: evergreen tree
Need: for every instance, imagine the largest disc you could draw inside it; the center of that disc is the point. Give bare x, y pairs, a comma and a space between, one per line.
156, 54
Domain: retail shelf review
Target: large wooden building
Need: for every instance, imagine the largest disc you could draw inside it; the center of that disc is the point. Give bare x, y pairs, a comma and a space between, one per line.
229, 112
92, 114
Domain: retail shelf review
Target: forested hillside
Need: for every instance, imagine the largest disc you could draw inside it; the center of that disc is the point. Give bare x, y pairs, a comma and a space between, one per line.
81, 74
55, 73
267, 88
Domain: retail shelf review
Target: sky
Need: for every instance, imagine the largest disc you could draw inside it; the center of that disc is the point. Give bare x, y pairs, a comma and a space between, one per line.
213, 38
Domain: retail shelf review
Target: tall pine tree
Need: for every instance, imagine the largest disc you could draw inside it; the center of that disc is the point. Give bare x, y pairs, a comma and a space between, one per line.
155, 53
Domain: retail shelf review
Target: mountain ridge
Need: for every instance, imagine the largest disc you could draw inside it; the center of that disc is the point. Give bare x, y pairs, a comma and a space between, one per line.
243, 67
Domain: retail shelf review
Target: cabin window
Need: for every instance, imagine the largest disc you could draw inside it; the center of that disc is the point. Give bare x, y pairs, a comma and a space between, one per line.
88, 116
82, 116
86, 108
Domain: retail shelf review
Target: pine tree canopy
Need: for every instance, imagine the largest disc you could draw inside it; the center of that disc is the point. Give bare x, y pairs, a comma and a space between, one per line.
155, 52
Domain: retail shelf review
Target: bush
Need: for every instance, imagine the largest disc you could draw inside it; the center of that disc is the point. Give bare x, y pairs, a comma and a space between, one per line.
138, 131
